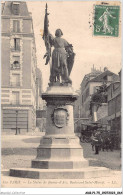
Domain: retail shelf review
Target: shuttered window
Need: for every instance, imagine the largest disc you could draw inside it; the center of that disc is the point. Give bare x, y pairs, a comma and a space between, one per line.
16, 44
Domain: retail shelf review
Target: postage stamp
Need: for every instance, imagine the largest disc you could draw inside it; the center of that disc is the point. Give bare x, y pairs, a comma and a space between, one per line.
106, 20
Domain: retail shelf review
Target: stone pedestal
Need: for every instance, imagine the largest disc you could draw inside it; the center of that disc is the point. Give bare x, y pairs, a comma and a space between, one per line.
59, 148
59, 154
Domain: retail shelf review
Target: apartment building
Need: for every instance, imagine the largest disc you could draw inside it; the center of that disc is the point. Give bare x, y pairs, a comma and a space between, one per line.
90, 85
114, 106
18, 68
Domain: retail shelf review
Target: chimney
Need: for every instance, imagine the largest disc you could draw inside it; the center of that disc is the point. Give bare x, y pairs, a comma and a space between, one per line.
105, 69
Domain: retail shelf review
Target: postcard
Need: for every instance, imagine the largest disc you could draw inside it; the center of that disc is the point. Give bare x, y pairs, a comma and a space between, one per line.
61, 97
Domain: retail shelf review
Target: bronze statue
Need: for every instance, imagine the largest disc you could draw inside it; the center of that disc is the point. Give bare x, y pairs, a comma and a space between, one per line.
62, 55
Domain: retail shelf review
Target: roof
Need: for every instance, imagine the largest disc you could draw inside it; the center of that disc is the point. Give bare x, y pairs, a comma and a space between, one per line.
101, 76
7, 8
92, 74
113, 83
88, 76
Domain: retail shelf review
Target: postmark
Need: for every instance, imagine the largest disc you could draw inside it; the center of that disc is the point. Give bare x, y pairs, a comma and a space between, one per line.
106, 20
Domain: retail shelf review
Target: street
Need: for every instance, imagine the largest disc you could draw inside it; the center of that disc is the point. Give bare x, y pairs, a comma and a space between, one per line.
19, 150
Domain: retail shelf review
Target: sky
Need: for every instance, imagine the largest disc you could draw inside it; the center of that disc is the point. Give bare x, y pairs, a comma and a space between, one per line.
74, 18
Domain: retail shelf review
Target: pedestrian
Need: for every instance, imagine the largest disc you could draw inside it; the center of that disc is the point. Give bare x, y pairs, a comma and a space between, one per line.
96, 142
92, 141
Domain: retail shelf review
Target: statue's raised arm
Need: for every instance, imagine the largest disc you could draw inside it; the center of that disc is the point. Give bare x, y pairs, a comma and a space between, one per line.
62, 58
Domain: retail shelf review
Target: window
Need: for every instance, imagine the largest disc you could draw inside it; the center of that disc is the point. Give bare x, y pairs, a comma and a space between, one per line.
15, 8
16, 63
15, 97
16, 44
109, 78
16, 26
15, 80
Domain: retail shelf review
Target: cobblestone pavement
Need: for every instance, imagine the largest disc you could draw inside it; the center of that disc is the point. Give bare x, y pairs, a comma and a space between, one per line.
19, 150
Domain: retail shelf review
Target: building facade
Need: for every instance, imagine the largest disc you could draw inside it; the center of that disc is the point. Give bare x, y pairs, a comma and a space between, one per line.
99, 106
18, 68
39, 100
90, 85
114, 107
77, 106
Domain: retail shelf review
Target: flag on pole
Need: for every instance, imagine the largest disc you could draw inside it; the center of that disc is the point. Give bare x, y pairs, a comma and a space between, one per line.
46, 37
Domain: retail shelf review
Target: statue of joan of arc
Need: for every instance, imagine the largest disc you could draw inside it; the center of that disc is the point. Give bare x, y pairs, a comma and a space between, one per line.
62, 55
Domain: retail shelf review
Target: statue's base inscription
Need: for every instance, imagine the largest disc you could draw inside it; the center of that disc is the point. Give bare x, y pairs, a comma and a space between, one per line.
60, 117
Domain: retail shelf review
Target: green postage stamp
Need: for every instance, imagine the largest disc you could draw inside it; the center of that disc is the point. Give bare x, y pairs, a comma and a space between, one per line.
106, 20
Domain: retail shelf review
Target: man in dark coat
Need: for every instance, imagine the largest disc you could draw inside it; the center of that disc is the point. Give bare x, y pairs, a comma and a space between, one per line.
96, 141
